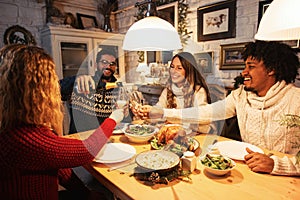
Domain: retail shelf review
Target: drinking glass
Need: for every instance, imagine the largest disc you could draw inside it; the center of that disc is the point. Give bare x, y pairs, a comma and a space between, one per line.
122, 98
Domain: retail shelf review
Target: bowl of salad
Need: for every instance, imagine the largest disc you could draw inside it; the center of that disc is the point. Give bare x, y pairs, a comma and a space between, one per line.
139, 133
217, 164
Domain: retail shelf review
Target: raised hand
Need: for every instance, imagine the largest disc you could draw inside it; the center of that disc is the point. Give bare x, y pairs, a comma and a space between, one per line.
139, 110
84, 84
117, 115
144, 110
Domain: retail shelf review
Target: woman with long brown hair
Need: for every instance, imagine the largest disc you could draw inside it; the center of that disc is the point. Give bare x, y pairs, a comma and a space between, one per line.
33, 155
186, 87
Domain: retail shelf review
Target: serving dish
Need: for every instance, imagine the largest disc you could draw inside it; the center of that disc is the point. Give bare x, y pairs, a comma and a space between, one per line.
178, 148
218, 165
175, 138
157, 160
139, 133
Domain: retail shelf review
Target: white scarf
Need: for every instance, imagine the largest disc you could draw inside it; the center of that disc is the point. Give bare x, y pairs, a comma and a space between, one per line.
177, 91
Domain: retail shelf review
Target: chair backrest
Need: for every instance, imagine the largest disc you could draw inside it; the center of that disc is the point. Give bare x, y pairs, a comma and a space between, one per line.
217, 92
66, 121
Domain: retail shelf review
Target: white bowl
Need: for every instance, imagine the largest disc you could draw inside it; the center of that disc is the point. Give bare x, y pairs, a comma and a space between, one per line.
218, 172
139, 136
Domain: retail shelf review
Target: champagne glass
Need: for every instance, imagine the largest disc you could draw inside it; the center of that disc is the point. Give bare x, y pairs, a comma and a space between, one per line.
121, 103
122, 98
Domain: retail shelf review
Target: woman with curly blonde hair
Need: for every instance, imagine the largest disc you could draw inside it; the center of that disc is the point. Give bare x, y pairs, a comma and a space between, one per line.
34, 95
33, 155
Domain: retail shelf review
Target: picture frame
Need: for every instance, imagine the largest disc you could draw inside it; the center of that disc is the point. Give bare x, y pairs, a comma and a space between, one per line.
231, 56
86, 21
217, 21
292, 43
169, 12
18, 35
205, 62
263, 5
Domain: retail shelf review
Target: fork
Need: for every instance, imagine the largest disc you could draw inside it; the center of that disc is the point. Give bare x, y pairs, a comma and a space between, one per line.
122, 165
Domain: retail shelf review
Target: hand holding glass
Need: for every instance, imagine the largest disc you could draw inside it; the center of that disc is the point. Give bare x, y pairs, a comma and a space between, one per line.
122, 98
144, 111
121, 103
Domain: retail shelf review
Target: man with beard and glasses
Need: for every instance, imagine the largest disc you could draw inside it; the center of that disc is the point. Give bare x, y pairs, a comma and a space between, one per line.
264, 104
90, 102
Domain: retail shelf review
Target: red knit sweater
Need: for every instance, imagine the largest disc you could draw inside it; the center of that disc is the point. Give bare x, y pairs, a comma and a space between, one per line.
31, 156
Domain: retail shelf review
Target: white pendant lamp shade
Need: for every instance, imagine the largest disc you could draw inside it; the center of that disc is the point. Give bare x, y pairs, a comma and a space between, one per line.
281, 21
152, 34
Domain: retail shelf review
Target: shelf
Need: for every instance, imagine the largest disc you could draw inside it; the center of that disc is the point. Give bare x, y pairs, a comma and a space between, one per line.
73, 49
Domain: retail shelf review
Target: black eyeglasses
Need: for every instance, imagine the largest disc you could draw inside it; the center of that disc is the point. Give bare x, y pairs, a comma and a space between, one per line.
105, 62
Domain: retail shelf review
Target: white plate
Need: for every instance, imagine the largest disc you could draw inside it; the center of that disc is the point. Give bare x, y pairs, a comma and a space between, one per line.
115, 152
235, 149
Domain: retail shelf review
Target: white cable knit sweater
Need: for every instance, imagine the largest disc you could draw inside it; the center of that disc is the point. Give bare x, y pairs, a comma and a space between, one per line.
258, 119
200, 98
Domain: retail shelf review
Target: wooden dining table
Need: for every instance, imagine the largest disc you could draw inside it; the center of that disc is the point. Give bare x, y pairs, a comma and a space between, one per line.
240, 183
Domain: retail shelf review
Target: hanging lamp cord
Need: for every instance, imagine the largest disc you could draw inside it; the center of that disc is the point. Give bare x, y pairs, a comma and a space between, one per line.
151, 7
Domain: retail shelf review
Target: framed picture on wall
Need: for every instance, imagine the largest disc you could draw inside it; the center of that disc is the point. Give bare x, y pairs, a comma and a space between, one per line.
205, 62
292, 43
169, 12
231, 56
18, 35
217, 21
263, 5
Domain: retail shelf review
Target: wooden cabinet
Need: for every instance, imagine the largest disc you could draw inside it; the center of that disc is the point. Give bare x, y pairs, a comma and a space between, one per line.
74, 51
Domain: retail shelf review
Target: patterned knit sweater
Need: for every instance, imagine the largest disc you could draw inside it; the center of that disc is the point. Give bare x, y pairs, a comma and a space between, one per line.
87, 111
31, 157
258, 119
